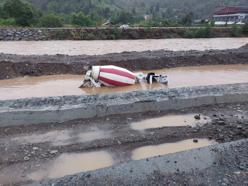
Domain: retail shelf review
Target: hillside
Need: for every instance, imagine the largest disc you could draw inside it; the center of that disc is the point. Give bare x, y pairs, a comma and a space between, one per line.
163, 8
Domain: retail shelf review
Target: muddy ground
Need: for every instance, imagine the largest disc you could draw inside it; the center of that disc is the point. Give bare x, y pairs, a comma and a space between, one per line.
215, 165
16, 65
22, 155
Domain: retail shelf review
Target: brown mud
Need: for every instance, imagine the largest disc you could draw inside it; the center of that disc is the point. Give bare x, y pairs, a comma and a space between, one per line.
12, 66
28, 153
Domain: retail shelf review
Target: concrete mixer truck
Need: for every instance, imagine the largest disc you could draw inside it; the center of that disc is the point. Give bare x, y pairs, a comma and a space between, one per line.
110, 75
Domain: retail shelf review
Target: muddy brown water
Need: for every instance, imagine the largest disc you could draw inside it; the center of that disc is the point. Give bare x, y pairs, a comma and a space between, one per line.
72, 163
168, 148
61, 85
170, 121
67, 164
103, 47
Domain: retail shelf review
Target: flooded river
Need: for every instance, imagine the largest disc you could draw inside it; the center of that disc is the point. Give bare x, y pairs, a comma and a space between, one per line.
103, 47
60, 85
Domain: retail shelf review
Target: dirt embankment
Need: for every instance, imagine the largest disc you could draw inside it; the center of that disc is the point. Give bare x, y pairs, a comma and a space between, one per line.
12, 66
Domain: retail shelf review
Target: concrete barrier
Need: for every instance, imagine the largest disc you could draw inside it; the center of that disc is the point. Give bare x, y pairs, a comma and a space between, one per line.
61, 109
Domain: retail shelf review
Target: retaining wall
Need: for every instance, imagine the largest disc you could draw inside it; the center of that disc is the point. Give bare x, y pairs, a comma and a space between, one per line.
16, 34
60, 109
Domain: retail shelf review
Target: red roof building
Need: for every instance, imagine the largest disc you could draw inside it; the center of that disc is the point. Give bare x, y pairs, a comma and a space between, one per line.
231, 15
232, 10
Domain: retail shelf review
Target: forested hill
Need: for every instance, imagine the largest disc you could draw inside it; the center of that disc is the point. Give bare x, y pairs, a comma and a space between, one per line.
90, 13
163, 8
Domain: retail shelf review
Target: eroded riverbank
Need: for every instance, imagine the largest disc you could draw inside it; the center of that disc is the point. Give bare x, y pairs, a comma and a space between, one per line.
12, 66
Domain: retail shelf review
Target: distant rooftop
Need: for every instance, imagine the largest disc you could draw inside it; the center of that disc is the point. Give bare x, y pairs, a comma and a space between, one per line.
232, 10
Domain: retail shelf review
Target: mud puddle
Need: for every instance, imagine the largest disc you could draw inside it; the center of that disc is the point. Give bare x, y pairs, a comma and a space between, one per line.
67, 164
168, 148
72, 163
62, 137
170, 121
62, 85
118, 46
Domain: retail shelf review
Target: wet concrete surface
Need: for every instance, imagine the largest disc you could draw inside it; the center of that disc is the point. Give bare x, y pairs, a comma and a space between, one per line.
36, 157
62, 85
104, 47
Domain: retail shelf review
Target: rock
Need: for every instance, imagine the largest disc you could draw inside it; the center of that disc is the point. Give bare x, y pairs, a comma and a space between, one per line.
195, 140
26, 158
226, 180
198, 117
35, 148
239, 127
53, 152
221, 122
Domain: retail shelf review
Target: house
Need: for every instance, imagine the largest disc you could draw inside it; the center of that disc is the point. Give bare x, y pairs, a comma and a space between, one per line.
147, 17
231, 15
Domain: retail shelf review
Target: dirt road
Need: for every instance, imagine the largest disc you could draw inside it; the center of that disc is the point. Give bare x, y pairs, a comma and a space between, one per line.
35, 153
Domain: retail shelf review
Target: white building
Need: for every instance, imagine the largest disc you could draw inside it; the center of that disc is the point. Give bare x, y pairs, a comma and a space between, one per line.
231, 15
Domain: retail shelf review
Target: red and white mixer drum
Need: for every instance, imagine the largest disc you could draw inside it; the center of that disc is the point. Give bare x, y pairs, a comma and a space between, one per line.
110, 75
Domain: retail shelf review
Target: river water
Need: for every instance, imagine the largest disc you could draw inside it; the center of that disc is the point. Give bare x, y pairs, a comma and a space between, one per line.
60, 85
99, 47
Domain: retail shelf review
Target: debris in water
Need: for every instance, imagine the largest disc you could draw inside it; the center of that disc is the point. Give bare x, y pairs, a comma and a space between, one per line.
198, 116
195, 140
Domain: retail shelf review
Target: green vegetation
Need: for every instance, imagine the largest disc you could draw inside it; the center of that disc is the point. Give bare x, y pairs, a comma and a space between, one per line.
8, 22
93, 13
245, 29
236, 31
50, 20
205, 32
21, 12
80, 19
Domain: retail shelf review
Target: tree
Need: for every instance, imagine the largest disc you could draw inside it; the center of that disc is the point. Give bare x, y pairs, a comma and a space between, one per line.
3, 13
21, 12
81, 19
123, 18
50, 20
188, 19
